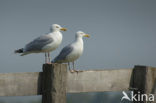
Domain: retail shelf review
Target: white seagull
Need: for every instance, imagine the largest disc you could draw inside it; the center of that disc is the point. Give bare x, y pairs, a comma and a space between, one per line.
45, 43
72, 51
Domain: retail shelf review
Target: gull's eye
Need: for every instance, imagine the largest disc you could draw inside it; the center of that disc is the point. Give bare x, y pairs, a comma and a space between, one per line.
57, 27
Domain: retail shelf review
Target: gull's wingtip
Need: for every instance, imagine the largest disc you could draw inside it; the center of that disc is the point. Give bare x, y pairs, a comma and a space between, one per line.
19, 50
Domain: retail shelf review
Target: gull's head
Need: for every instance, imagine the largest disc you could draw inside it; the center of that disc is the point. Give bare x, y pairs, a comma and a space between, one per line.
82, 34
56, 27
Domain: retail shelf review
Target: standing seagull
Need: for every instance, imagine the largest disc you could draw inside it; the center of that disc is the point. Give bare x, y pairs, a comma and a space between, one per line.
72, 51
45, 43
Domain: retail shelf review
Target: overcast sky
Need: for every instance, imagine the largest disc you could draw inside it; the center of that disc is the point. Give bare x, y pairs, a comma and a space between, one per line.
123, 32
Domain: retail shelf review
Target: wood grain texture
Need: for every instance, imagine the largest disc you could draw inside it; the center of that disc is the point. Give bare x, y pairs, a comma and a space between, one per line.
138, 82
54, 83
20, 84
99, 80
151, 81
144, 81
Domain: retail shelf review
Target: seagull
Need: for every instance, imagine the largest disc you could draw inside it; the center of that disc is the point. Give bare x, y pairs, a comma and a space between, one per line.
72, 52
45, 43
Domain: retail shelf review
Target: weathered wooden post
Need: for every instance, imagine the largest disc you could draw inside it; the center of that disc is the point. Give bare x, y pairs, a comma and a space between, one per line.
142, 84
54, 83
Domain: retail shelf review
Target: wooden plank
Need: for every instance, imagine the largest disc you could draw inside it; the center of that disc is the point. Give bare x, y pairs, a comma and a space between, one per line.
138, 82
151, 82
22, 84
99, 80
54, 83
143, 82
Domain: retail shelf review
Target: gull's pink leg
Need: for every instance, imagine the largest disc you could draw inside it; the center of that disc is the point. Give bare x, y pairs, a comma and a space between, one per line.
74, 68
69, 66
71, 70
73, 65
45, 57
49, 58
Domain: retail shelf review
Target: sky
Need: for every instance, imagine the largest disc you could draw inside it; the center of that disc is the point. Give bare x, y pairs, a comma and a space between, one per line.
123, 32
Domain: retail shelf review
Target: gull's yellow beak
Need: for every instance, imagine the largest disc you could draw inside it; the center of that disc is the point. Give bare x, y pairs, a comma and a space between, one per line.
87, 35
63, 29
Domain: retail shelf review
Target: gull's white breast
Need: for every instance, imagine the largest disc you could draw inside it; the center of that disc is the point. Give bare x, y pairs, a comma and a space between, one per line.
76, 52
57, 39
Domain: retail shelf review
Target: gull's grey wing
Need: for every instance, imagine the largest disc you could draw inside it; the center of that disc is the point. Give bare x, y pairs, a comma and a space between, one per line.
38, 43
64, 53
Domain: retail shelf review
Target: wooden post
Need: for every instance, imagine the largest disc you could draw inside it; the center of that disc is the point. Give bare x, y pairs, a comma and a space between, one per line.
142, 82
54, 83
138, 82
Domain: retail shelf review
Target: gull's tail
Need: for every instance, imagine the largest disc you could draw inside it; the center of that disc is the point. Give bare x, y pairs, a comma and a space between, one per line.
55, 60
52, 61
19, 50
